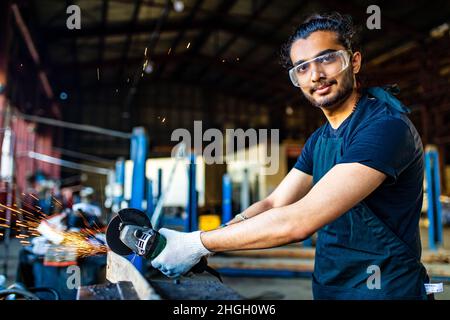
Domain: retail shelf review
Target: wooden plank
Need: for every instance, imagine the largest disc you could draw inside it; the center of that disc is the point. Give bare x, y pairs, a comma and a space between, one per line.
119, 269
438, 269
299, 265
282, 252
440, 256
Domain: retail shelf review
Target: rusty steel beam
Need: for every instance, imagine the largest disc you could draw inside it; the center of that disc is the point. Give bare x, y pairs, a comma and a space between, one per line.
42, 75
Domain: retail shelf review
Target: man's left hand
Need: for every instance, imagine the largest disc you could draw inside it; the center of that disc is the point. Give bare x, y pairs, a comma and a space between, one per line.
182, 252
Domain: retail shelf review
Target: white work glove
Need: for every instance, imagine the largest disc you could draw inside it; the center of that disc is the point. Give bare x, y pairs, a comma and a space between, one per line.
182, 252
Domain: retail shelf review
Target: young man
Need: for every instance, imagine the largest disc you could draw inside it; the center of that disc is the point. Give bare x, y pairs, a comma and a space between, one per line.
358, 183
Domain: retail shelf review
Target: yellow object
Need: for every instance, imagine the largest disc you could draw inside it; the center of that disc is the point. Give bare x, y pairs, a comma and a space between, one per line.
209, 222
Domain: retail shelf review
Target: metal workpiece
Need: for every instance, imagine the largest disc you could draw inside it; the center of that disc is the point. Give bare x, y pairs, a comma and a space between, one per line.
125, 282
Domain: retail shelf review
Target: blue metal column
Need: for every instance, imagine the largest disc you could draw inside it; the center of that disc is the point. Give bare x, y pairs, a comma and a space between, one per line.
433, 195
160, 183
139, 145
227, 198
150, 198
120, 180
192, 212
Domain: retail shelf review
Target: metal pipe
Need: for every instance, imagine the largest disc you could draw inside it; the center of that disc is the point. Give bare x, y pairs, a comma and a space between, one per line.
67, 164
80, 155
75, 126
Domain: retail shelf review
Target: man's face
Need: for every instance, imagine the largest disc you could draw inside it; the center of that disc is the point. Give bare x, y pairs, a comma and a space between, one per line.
322, 91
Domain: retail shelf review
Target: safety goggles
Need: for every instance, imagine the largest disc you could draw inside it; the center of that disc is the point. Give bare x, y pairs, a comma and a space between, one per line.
328, 65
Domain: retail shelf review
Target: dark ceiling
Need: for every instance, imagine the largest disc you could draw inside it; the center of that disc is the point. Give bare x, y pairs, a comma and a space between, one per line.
217, 61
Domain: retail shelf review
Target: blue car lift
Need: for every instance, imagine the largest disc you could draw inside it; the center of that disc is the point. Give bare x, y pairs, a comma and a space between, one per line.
119, 180
192, 205
190, 223
138, 154
139, 146
433, 194
227, 198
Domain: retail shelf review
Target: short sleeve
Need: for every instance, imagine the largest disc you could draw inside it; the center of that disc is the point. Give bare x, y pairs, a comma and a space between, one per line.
305, 160
386, 145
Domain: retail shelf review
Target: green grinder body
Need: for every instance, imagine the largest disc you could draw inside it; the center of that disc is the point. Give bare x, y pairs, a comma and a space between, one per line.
158, 246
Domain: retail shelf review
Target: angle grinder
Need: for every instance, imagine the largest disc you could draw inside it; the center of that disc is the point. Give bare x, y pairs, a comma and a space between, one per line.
131, 232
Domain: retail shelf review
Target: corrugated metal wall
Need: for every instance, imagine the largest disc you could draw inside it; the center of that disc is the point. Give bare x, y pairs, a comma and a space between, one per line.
27, 138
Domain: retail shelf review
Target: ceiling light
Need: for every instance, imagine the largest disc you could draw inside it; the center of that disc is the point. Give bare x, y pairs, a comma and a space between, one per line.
178, 6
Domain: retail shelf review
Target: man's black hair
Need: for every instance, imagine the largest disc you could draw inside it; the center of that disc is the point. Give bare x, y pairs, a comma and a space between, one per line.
341, 24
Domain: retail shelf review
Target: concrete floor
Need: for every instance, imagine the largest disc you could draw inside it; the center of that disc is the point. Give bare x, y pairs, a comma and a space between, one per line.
286, 289
254, 288
271, 288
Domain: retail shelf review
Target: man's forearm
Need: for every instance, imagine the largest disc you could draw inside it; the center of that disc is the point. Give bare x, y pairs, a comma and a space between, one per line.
268, 229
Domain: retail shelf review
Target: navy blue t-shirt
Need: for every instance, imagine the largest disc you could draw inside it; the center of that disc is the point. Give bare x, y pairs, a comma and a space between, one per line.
379, 137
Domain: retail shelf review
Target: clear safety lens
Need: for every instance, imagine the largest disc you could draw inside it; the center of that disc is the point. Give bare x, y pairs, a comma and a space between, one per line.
327, 65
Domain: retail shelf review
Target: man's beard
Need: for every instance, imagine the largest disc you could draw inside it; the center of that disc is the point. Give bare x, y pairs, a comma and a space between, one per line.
344, 91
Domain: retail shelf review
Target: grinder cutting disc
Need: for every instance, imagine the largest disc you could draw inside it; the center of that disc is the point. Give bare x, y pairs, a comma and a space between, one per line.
125, 216
113, 238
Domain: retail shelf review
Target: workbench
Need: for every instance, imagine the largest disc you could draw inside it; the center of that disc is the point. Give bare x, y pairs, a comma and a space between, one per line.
125, 282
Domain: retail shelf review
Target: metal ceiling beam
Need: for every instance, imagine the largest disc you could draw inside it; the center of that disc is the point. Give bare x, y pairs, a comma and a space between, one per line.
189, 7
236, 70
126, 48
187, 22
285, 19
206, 85
223, 8
36, 58
124, 28
101, 41
153, 40
232, 25
68, 134
244, 25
